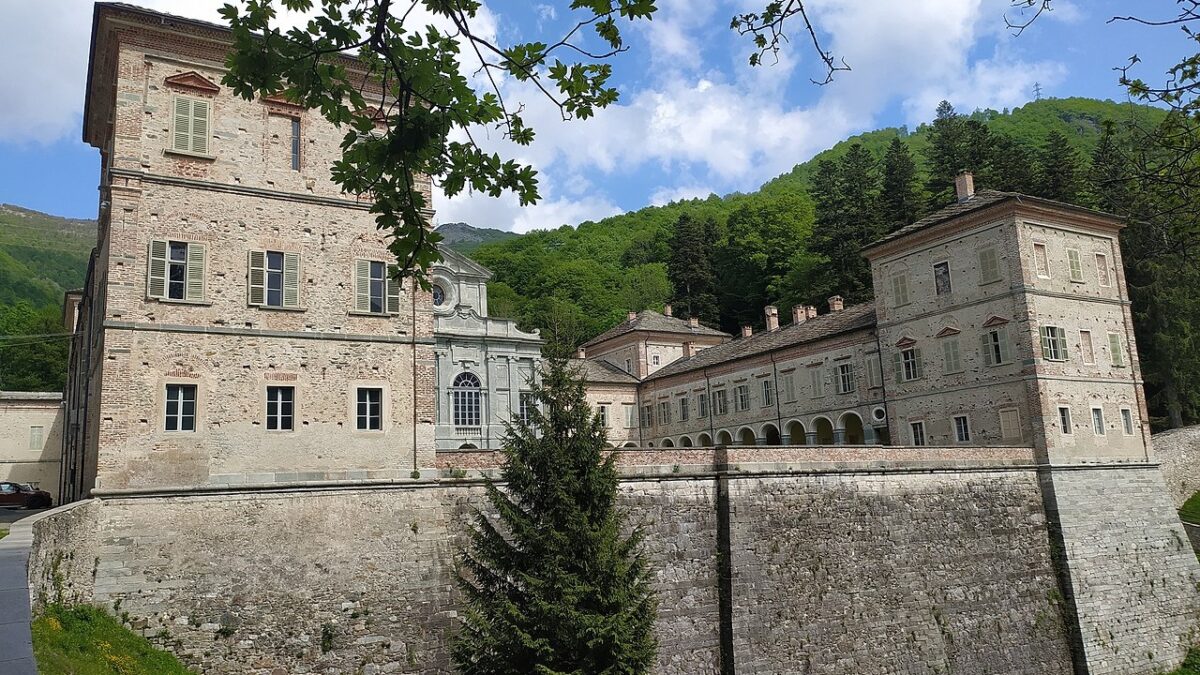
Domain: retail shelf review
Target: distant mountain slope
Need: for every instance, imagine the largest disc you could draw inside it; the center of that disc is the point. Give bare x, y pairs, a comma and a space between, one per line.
41, 255
466, 238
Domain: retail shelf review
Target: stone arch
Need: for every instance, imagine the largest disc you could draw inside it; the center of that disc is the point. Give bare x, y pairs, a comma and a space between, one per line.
685, 442
851, 427
823, 428
704, 441
468, 446
630, 444
724, 438
746, 436
668, 443
797, 434
770, 433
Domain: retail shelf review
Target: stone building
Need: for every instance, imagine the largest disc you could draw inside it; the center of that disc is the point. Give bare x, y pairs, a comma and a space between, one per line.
31, 439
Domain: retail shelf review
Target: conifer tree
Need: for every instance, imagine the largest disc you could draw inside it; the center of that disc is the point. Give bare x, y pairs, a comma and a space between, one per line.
690, 268
1108, 180
1059, 170
945, 154
552, 584
899, 198
1012, 166
846, 196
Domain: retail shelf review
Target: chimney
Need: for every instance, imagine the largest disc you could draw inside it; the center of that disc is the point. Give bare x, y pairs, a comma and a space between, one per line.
581, 353
772, 314
632, 316
747, 331
667, 309
693, 322
835, 303
798, 315
689, 349
810, 311
964, 186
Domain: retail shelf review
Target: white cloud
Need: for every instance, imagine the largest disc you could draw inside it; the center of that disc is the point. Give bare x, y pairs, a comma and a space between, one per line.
665, 195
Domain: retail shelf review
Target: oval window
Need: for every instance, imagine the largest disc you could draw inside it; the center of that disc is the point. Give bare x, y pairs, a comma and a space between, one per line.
439, 296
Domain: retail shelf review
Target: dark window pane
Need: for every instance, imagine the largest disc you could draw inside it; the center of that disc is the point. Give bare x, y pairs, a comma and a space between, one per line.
178, 251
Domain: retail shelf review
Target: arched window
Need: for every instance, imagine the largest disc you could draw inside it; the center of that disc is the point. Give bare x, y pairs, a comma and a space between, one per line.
465, 398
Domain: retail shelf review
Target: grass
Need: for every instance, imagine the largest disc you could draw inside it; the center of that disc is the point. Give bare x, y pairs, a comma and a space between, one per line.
85, 640
1191, 665
1191, 510
3, 533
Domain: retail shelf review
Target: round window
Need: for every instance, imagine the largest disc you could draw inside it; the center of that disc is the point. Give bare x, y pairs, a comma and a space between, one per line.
439, 296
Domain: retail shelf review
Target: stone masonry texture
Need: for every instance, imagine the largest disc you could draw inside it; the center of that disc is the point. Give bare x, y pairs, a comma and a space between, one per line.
1178, 451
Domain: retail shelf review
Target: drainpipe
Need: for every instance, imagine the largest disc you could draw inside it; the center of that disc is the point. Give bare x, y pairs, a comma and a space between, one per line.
415, 417
712, 432
778, 412
887, 413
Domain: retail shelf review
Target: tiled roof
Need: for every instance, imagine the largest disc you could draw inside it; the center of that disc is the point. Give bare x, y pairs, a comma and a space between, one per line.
852, 318
649, 320
979, 200
597, 371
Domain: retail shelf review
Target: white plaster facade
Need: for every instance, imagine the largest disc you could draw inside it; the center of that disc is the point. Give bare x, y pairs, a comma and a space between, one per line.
31, 439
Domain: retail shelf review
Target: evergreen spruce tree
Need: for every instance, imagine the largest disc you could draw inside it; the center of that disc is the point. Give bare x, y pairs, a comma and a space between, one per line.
690, 268
1012, 166
945, 155
1108, 180
846, 198
899, 198
1059, 170
552, 584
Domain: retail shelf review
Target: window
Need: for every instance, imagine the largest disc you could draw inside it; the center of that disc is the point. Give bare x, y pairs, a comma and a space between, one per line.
685, 409
720, 402
845, 378
1054, 343
647, 416
995, 346
629, 366
664, 412
1098, 421
1076, 265
630, 415
274, 279
1102, 270
376, 290
900, 289
702, 405
295, 144
989, 266
951, 358
1086, 351
908, 365
439, 296
962, 429
189, 126
181, 407
768, 393
1010, 424
1041, 262
1064, 420
817, 381
654, 360
918, 433
1115, 350
369, 411
874, 371
176, 271
37, 437
741, 400
941, 278
789, 387
280, 406
465, 401
526, 404
601, 410
1127, 421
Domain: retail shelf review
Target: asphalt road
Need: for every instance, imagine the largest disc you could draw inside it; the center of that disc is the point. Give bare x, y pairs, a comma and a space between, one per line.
9, 514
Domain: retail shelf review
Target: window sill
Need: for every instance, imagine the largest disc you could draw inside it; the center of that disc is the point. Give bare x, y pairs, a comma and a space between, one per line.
378, 315
174, 301
989, 282
272, 308
1078, 281
188, 153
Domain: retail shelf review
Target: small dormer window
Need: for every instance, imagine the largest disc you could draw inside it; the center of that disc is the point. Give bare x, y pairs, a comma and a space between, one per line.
439, 296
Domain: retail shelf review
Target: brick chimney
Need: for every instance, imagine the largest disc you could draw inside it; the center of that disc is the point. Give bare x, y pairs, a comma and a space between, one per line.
810, 311
747, 331
667, 309
689, 349
581, 353
632, 316
798, 315
964, 186
771, 312
693, 322
835, 303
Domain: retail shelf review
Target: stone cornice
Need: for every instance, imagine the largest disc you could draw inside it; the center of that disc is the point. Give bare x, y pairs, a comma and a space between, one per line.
262, 332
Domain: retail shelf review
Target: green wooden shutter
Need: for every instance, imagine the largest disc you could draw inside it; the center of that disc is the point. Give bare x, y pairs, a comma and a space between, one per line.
1116, 351
985, 348
920, 364
200, 127
291, 279
362, 285
182, 136
393, 290
195, 272
1076, 265
898, 366
1045, 343
989, 265
156, 276
1003, 339
257, 277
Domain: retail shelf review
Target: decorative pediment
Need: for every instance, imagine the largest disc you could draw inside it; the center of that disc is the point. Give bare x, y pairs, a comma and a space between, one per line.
905, 342
948, 331
192, 81
460, 265
995, 321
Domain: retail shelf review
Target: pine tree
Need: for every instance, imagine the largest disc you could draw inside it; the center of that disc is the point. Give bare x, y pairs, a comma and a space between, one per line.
690, 268
552, 585
1012, 166
945, 155
1108, 180
1059, 170
846, 197
899, 198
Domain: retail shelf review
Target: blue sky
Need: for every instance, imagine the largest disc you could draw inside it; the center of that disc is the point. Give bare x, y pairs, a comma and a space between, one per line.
693, 117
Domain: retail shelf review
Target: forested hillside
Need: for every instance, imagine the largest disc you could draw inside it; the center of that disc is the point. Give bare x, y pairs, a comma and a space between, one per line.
465, 238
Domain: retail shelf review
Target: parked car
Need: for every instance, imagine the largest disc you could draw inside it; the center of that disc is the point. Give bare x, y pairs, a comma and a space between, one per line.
21, 494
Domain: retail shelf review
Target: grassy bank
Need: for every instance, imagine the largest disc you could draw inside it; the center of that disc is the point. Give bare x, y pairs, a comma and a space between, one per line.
1191, 666
1191, 510
87, 641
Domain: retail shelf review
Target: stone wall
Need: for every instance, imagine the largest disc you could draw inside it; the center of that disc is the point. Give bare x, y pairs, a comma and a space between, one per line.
1178, 451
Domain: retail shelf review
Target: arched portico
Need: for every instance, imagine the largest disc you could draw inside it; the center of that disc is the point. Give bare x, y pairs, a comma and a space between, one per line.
685, 442
668, 443
850, 430
769, 435
630, 444
705, 441
746, 436
821, 432
795, 434
724, 438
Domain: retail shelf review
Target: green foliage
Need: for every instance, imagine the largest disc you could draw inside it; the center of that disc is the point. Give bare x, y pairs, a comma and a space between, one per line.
1059, 170
900, 197
551, 583
846, 193
691, 268
1191, 664
33, 363
1190, 511
84, 640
